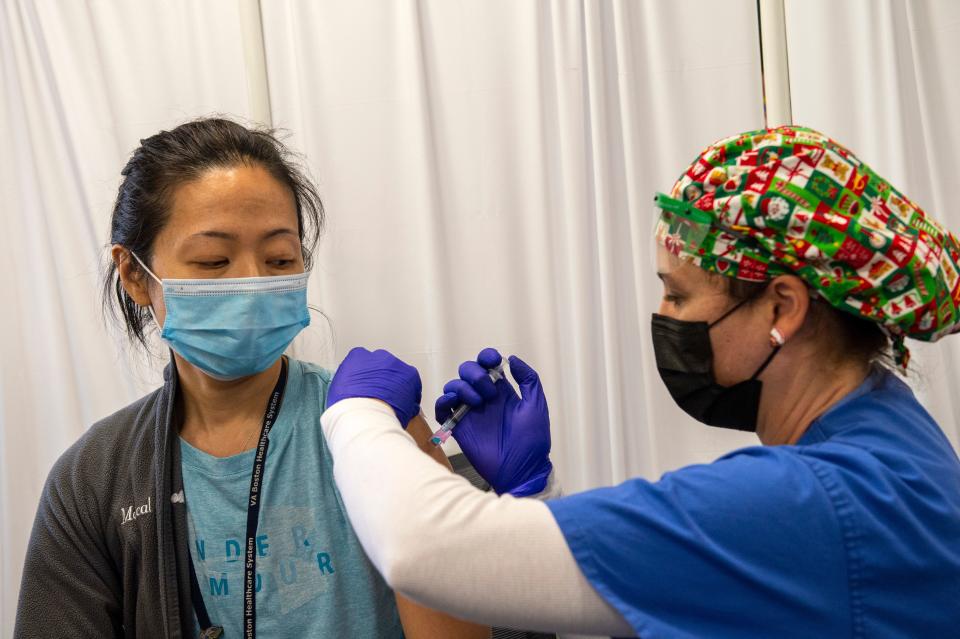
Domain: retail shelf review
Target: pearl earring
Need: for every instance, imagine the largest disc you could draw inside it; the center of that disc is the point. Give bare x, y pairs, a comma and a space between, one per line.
776, 338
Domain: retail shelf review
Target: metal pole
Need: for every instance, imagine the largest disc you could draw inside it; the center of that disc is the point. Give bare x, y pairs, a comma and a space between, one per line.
254, 53
774, 64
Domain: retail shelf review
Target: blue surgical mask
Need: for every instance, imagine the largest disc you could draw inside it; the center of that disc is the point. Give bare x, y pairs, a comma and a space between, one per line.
233, 327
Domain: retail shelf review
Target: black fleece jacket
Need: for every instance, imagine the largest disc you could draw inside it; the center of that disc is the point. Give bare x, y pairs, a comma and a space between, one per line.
108, 551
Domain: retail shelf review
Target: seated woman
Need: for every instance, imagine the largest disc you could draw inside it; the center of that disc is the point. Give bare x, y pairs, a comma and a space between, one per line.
210, 505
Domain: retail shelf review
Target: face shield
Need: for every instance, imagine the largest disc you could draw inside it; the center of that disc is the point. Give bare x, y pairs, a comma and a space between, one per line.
710, 240
679, 235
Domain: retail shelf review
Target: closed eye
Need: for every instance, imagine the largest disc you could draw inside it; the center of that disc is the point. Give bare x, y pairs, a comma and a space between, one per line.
214, 264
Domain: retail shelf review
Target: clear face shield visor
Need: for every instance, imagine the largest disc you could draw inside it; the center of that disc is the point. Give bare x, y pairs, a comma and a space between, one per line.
680, 235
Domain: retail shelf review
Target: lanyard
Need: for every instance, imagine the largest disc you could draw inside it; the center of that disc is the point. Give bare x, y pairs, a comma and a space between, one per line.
207, 629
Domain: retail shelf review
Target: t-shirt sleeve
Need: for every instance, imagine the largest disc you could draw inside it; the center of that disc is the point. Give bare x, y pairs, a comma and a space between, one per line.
747, 546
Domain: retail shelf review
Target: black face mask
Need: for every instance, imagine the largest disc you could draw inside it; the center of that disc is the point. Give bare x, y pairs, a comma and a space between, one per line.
685, 361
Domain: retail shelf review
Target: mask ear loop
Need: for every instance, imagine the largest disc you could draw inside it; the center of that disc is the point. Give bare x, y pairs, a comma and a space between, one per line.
729, 312
776, 337
158, 280
776, 341
766, 362
146, 268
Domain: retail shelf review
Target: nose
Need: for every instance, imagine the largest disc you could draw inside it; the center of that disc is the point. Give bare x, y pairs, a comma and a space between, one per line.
667, 309
247, 265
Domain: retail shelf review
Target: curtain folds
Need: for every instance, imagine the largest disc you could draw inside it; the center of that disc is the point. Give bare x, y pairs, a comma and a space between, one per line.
487, 168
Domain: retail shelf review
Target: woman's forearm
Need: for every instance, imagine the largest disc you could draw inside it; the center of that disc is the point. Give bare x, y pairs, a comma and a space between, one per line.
449, 546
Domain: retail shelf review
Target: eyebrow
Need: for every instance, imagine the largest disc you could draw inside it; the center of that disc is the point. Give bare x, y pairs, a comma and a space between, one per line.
223, 235
670, 281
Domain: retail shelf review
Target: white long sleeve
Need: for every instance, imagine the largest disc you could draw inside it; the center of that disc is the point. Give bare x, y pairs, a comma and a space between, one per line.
438, 540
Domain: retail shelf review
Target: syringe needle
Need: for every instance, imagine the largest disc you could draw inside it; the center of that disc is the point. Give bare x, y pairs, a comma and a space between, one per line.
443, 433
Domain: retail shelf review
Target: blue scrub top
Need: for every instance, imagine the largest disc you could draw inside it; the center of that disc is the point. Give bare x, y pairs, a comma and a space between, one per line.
852, 532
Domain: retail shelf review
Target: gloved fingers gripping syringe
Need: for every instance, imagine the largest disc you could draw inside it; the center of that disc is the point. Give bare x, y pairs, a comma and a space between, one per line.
506, 437
446, 429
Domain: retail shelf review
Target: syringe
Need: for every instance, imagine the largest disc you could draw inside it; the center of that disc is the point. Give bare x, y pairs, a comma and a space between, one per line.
443, 433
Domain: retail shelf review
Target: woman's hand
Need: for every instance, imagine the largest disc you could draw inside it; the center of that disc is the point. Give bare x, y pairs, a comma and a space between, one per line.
505, 436
378, 375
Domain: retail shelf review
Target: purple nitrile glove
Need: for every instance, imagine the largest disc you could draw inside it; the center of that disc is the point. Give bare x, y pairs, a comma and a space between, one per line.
505, 436
378, 375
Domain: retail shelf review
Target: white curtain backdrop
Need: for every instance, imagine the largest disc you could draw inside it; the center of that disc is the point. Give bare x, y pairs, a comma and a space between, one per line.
489, 169
880, 77
487, 166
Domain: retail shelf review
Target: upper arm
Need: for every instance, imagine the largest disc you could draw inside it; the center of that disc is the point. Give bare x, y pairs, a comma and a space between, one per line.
69, 584
419, 621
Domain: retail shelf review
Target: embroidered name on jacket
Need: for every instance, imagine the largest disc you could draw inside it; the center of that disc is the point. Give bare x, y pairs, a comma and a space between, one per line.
130, 513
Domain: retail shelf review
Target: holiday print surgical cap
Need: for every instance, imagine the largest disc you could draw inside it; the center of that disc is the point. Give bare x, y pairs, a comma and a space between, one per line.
792, 201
